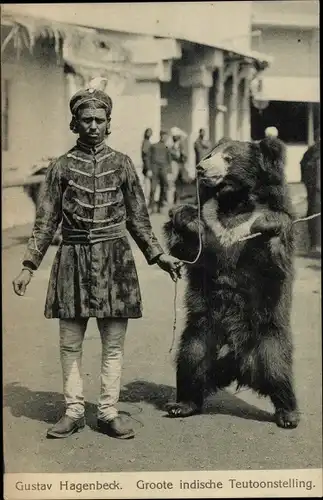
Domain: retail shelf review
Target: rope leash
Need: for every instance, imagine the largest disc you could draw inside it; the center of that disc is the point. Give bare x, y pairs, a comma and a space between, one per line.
131, 415
245, 238
189, 262
175, 319
302, 219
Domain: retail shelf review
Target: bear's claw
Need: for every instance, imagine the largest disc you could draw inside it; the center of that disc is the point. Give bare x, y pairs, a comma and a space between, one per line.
287, 419
176, 410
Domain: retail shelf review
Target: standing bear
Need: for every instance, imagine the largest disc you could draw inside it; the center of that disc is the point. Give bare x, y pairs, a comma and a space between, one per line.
239, 291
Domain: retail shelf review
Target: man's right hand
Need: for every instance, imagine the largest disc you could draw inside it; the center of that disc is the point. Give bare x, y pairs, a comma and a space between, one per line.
21, 282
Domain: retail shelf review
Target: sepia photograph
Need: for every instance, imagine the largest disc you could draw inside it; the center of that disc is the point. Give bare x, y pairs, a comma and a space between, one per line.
161, 250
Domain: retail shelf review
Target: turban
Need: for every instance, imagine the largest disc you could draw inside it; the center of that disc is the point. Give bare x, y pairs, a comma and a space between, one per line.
271, 132
90, 95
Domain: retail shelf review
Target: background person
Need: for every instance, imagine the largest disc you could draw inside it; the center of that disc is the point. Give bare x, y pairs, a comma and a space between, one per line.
161, 167
311, 177
178, 164
202, 146
145, 155
271, 132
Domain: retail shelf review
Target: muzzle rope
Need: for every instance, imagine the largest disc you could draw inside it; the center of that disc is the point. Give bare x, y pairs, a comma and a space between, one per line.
244, 238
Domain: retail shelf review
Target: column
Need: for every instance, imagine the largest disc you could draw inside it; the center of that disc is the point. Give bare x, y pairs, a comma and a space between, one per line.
233, 104
199, 78
200, 109
199, 119
219, 106
246, 124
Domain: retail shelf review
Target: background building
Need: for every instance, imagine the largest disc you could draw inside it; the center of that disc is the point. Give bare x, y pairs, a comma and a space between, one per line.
166, 65
289, 88
163, 69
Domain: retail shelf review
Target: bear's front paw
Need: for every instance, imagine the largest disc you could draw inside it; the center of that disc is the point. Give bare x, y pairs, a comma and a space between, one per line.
287, 419
176, 410
183, 216
267, 226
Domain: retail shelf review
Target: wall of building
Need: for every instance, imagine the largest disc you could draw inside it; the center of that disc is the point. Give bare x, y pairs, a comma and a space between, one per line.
38, 122
295, 51
286, 13
133, 112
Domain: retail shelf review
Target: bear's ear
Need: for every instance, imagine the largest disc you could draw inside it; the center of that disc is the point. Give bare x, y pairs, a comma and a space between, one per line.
273, 151
223, 140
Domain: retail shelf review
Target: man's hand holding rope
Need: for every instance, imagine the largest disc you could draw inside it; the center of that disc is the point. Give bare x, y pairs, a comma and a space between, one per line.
171, 265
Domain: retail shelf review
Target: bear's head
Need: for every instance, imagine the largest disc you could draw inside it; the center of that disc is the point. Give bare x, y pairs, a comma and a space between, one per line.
255, 170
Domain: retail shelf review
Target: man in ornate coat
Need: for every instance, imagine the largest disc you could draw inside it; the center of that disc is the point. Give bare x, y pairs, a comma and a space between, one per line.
96, 194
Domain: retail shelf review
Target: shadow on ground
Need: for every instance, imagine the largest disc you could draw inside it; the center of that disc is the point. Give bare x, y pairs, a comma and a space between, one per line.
49, 406
38, 405
222, 403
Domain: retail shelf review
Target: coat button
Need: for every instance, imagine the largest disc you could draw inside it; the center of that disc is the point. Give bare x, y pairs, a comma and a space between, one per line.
70, 182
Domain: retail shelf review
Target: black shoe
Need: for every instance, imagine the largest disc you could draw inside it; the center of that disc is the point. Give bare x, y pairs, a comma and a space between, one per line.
65, 427
116, 428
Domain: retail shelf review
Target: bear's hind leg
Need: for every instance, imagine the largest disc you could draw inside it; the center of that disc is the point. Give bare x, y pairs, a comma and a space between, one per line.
272, 376
284, 400
190, 376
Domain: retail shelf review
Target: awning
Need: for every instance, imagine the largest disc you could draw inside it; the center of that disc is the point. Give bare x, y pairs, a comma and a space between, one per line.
292, 89
148, 50
44, 28
93, 17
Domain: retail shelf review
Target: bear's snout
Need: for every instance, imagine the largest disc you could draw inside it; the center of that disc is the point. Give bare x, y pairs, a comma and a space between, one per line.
214, 167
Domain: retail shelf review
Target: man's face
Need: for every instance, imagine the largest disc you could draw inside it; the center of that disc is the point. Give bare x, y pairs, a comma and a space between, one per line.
163, 137
202, 134
92, 125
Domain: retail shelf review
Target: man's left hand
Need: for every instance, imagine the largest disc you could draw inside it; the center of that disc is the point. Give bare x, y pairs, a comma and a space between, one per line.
171, 265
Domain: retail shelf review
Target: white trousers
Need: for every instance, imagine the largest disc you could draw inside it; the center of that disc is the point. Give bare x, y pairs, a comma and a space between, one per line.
112, 332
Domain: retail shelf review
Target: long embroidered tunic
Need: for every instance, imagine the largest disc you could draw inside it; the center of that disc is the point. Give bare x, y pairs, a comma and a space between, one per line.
96, 195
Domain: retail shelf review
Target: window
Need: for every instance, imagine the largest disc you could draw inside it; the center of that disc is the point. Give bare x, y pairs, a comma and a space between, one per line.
5, 115
290, 118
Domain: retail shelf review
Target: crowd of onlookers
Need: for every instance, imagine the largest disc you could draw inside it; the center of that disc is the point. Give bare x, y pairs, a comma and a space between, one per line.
165, 166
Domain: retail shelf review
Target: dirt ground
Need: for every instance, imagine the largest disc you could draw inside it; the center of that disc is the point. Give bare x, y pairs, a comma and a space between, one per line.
236, 431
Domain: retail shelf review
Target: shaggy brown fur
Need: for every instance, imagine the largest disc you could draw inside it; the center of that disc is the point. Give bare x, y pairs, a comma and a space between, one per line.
238, 296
